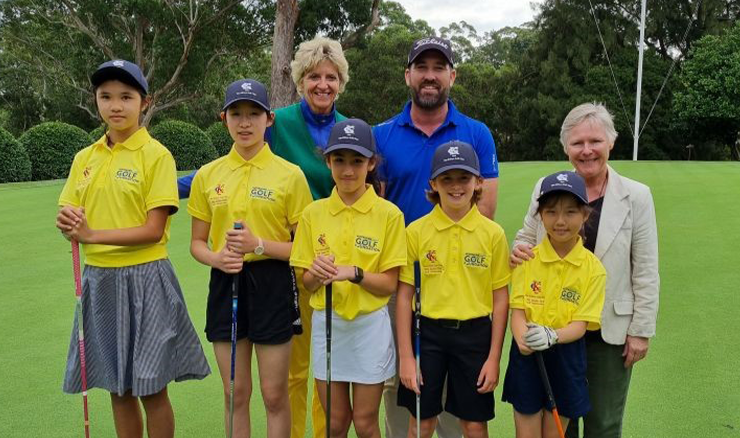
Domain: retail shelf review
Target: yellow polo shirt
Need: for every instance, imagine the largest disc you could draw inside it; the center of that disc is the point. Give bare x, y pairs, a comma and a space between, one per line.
368, 234
117, 186
555, 292
461, 263
267, 192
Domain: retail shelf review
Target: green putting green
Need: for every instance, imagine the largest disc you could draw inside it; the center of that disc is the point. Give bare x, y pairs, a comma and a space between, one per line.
687, 386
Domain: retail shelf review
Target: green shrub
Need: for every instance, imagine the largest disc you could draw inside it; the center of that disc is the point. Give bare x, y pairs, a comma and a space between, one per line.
51, 147
14, 162
96, 133
190, 146
220, 138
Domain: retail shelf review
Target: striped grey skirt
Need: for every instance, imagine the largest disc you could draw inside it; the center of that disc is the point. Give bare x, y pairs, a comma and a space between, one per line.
138, 335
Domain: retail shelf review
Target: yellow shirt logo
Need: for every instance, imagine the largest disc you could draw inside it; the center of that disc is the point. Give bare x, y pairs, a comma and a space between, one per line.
570, 295
127, 175
473, 260
262, 193
367, 243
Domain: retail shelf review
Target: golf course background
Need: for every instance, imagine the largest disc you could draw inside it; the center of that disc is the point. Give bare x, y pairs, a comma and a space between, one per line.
689, 385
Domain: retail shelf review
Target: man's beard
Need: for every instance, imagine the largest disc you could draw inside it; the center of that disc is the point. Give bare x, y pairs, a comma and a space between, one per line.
430, 102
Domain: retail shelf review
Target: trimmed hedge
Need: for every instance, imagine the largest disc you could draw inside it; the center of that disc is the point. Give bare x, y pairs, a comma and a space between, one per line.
51, 147
15, 165
96, 133
220, 138
190, 146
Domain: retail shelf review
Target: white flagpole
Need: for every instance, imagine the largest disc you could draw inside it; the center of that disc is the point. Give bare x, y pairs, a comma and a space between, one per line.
639, 80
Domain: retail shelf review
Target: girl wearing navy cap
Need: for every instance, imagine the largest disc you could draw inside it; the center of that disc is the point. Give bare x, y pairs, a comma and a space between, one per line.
264, 195
117, 202
355, 241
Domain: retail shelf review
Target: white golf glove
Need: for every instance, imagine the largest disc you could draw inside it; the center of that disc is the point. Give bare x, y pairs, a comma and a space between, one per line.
540, 337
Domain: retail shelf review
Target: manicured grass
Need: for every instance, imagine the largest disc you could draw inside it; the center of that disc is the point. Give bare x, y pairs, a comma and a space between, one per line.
687, 387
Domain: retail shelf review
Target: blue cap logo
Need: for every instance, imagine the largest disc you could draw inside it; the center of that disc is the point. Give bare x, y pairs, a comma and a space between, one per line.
563, 178
246, 86
454, 151
118, 63
349, 129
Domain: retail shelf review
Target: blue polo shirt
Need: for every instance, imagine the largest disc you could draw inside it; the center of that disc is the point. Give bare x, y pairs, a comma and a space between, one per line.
407, 156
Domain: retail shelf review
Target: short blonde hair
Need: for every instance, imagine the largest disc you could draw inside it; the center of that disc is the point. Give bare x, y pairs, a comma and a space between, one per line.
593, 112
312, 53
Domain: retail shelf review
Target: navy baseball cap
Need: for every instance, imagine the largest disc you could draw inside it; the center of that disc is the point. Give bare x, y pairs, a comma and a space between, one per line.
120, 69
247, 90
431, 43
570, 182
352, 134
455, 155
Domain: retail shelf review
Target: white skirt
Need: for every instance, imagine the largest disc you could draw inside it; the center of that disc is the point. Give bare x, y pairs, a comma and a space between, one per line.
362, 350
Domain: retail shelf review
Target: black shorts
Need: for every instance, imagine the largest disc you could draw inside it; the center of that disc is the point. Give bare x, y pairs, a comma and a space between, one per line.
566, 371
458, 355
266, 307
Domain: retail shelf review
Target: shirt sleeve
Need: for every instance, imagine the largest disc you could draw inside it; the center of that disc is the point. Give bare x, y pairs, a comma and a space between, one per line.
302, 254
198, 205
518, 284
69, 195
485, 147
298, 197
592, 303
500, 271
412, 255
161, 180
183, 185
394, 245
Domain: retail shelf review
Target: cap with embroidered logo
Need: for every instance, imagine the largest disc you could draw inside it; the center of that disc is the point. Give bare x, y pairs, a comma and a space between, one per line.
570, 182
431, 43
455, 155
122, 70
352, 134
246, 90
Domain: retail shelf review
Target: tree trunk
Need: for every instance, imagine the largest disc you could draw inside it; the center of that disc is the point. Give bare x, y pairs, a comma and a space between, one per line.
282, 89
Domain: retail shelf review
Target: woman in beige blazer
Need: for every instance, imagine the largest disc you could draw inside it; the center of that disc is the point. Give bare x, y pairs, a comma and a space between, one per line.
622, 232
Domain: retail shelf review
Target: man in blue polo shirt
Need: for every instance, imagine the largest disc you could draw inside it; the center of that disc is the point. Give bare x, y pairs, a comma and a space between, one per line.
407, 141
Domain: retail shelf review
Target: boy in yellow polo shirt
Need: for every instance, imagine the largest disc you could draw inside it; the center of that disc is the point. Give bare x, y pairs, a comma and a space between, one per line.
463, 259
265, 194
354, 240
556, 296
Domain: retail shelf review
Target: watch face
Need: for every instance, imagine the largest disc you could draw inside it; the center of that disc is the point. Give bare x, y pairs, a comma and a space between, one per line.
259, 250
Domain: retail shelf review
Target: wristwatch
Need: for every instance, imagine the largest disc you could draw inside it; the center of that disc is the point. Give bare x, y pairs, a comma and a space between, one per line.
260, 248
359, 275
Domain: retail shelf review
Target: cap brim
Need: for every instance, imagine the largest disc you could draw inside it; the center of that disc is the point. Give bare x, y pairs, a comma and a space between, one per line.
365, 152
444, 169
245, 99
115, 73
411, 61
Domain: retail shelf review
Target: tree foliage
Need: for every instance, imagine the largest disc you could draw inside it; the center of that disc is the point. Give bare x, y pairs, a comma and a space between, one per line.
52, 147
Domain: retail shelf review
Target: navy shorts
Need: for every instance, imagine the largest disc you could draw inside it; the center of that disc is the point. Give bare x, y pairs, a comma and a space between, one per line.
566, 370
266, 307
457, 355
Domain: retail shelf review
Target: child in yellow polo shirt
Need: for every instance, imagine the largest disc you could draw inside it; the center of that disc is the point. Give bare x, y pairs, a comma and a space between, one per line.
556, 296
118, 201
464, 276
265, 194
355, 241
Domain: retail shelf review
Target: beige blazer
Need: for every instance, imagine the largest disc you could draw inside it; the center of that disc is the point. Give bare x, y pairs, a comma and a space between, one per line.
627, 245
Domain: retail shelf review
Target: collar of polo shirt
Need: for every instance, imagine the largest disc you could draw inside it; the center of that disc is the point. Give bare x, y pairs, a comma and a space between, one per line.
136, 141
441, 221
261, 160
363, 205
575, 257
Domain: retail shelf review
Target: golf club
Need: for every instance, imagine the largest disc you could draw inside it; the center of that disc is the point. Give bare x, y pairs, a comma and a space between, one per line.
328, 310
417, 334
234, 305
80, 332
548, 389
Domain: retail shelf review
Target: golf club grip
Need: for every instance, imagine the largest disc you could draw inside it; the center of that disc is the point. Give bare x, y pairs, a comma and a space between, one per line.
328, 311
545, 379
